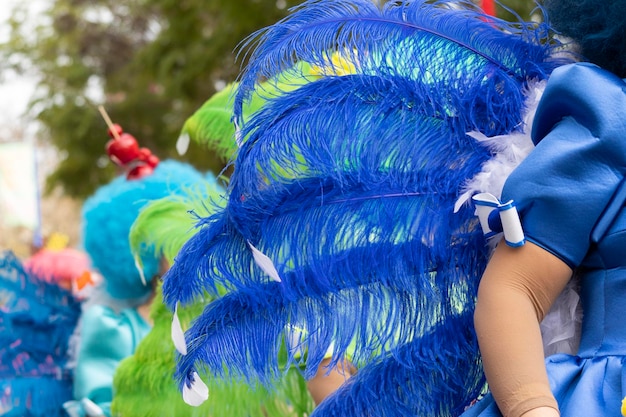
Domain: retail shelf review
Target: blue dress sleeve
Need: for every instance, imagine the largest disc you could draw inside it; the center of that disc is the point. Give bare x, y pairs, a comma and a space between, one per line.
106, 339
567, 182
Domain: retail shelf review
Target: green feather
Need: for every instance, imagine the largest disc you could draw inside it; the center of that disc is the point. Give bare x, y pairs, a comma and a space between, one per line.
163, 226
211, 124
144, 384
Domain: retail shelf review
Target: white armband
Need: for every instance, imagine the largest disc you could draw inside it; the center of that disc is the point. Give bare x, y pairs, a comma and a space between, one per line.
496, 217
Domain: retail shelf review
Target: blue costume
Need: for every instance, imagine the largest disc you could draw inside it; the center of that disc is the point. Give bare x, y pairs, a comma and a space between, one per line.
571, 194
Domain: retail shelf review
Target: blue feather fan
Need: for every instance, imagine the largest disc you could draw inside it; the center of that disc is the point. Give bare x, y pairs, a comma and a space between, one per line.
348, 183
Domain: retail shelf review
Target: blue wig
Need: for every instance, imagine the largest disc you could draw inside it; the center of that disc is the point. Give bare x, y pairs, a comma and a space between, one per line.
597, 26
108, 216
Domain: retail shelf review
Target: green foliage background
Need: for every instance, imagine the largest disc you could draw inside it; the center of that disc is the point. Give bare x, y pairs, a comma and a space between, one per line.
150, 63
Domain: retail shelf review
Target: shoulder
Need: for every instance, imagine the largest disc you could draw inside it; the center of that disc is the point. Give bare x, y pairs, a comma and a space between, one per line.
579, 160
96, 314
594, 97
103, 323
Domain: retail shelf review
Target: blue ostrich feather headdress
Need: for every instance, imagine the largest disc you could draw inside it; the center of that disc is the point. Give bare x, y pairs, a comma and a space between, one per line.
347, 185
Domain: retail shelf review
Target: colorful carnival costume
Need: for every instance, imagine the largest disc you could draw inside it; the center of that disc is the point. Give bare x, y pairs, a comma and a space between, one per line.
144, 382
111, 325
144, 385
340, 233
37, 318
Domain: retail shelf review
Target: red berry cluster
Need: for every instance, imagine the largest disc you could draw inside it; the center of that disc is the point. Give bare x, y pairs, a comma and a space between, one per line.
125, 152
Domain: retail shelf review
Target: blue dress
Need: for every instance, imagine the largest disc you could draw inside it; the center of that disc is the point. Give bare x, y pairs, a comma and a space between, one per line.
571, 194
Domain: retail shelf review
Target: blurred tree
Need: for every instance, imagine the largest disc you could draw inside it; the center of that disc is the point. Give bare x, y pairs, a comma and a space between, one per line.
523, 8
151, 63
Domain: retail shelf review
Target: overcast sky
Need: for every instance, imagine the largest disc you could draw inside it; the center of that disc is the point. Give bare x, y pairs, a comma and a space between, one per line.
15, 90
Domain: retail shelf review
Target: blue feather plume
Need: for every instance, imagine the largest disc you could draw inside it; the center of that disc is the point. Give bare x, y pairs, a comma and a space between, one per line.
347, 182
408, 382
337, 178
385, 224
449, 47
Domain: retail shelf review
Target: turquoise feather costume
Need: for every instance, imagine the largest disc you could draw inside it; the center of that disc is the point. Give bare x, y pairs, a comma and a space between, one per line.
37, 319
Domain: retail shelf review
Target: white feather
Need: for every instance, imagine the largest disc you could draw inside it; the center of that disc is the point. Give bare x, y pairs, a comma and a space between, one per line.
72, 408
509, 151
182, 144
561, 326
140, 269
238, 134
265, 263
178, 336
91, 409
197, 393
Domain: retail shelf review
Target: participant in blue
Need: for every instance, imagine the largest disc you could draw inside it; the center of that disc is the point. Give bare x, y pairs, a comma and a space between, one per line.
571, 192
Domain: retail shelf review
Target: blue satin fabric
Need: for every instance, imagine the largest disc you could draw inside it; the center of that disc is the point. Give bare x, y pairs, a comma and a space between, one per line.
106, 339
565, 189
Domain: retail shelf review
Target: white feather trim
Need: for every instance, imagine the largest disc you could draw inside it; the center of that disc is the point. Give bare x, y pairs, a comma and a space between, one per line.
197, 393
178, 336
509, 151
182, 144
265, 263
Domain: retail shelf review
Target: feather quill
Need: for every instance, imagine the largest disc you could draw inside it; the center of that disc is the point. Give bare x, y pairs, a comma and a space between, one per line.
196, 392
264, 262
